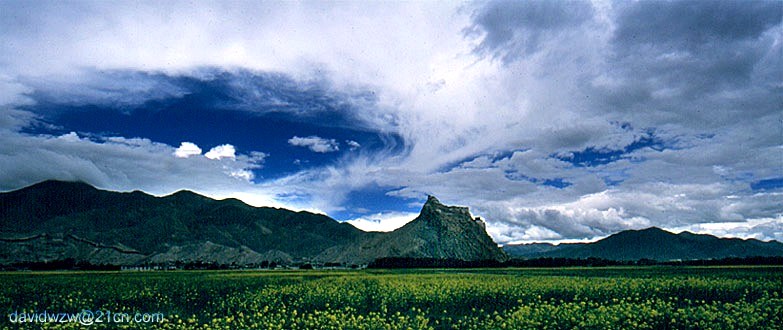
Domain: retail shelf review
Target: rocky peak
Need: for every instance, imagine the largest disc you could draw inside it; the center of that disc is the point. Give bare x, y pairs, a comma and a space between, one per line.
448, 232
433, 209
432, 202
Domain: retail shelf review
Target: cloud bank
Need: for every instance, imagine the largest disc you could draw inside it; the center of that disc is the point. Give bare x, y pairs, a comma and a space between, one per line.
552, 120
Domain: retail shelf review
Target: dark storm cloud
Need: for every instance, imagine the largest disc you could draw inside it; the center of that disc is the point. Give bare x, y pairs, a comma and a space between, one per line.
511, 29
692, 24
704, 76
671, 54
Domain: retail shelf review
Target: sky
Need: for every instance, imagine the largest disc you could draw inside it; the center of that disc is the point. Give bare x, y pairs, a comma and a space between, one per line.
552, 120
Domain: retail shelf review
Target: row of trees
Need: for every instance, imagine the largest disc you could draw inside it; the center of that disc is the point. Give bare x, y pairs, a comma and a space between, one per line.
71, 264
564, 262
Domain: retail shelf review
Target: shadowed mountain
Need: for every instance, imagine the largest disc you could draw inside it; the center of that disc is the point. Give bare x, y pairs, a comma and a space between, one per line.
56, 220
651, 243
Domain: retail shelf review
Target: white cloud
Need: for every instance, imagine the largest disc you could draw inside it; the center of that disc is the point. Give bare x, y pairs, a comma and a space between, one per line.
70, 137
242, 174
388, 221
353, 145
763, 229
315, 143
13, 92
187, 149
221, 151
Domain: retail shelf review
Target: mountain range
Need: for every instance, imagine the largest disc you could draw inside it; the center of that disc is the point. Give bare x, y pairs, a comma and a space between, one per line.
651, 243
56, 220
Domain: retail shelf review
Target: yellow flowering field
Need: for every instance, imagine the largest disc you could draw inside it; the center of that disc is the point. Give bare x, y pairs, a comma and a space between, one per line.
567, 298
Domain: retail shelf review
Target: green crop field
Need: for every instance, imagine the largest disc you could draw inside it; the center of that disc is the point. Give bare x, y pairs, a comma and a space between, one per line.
569, 298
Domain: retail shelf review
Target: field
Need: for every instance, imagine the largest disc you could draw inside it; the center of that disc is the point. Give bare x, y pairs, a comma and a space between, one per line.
569, 298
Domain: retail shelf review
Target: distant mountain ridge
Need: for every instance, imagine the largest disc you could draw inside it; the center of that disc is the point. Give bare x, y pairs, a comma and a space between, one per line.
651, 243
55, 220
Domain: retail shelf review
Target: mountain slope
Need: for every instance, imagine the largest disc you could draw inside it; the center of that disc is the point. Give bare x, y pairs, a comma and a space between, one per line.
152, 225
652, 243
55, 220
439, 232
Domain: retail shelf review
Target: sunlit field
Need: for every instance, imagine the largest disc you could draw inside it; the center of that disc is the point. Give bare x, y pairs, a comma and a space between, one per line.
570, 298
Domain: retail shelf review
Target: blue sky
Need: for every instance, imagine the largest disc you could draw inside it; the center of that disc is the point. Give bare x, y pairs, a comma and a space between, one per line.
214, 111
296, 126
552, 120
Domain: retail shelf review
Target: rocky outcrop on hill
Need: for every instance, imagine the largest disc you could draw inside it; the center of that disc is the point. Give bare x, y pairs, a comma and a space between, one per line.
439, 232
